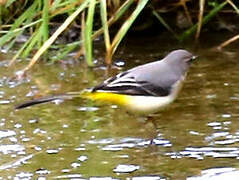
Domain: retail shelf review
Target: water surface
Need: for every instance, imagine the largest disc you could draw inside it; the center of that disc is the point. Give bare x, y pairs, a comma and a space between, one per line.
196, 137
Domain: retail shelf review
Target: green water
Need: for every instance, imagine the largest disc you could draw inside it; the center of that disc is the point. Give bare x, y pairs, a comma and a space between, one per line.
80, 139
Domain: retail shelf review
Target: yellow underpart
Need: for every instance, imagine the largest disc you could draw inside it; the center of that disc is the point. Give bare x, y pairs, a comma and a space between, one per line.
119, 99
139, 104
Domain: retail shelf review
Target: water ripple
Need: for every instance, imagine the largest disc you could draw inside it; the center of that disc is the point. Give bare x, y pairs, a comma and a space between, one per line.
148, 178
42, 171
70, 176
217, 174
128, 142
201, 152
23, 175
75, 164
16, 163
7, 133
88, 109
52, 151
10, 148
82, 158
126, 168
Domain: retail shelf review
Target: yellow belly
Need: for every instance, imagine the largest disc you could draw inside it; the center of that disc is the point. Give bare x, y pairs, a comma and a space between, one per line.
140, 104
109, 97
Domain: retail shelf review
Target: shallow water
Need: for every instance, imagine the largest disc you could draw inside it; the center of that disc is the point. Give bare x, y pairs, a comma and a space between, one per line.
195, 138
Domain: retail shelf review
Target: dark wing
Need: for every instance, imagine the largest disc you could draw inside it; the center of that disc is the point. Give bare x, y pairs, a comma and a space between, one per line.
125, 84
155, 90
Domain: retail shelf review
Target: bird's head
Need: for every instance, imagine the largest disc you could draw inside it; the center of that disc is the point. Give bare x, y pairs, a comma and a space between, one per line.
180, 59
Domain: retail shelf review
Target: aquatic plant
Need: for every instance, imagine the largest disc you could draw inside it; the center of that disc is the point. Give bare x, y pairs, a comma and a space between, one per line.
45, 22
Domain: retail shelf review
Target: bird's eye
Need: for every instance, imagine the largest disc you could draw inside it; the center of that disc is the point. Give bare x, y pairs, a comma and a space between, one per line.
193, 58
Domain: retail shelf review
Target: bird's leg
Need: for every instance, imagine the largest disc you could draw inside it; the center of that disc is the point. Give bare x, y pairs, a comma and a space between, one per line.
150, 119
150, 128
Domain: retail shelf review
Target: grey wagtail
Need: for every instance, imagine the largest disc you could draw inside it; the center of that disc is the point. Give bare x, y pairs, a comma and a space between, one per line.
146, 88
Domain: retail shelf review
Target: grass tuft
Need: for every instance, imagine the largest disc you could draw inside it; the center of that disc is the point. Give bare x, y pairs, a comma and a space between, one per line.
35, 19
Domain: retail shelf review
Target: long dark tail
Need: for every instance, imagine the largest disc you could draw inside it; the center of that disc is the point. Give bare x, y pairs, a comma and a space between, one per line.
42, 100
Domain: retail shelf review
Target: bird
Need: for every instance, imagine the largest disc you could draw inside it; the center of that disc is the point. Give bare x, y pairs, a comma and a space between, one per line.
146, 88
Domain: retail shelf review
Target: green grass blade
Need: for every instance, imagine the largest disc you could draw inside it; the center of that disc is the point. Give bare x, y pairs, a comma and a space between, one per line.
64, 3
56, 4
9, 2
24, 27
103, 13
125, 27
66, 23
28, 14
88, 33
19, 52
161, 20
66, 49
36, 38
234, 6
121, 10
1, 13
124, 7
207, 18
45, 22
